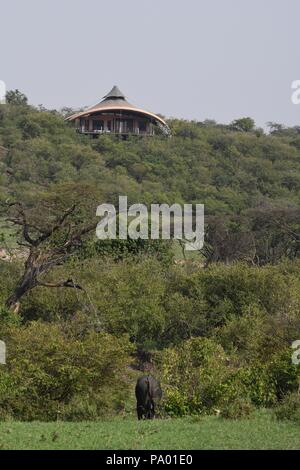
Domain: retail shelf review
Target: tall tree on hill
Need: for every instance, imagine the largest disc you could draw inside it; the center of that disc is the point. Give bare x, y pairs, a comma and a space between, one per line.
17, 98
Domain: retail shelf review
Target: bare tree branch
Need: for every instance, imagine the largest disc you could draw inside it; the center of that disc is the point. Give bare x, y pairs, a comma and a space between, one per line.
68, 283
44, 256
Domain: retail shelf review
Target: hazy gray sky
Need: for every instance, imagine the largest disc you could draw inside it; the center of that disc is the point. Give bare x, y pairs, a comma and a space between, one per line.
195, 59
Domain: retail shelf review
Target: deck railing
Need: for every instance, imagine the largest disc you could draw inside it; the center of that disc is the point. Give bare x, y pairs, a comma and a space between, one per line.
106, 131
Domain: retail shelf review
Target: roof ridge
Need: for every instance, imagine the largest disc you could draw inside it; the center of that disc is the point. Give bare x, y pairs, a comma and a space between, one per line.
115, 92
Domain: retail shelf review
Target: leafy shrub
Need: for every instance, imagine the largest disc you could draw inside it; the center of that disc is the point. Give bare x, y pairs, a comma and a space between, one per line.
51, 372
127, 249
289, 408
193, 373
252, 382
175, 403
284, 372
199, 377
239, 408
9, 318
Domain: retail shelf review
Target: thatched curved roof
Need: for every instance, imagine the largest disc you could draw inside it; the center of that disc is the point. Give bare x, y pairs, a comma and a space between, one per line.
115, 101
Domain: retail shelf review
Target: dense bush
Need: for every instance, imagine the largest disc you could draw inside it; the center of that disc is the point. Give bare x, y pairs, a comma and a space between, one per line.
223, 334
251, 311
289, 408
55, 371
200, 378
193, 374
238, 408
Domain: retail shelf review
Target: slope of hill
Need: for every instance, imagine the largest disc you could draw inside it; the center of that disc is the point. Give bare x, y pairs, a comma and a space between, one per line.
225, 167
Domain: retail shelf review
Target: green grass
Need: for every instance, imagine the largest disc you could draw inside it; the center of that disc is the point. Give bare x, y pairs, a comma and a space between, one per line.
259, 432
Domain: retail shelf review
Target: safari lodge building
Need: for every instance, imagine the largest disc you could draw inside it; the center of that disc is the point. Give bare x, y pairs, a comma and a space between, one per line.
114, 115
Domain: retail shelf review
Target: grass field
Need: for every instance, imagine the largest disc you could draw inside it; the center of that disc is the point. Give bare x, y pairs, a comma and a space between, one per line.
259, 432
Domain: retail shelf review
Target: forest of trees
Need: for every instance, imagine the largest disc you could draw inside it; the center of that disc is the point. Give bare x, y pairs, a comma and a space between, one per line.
80, 316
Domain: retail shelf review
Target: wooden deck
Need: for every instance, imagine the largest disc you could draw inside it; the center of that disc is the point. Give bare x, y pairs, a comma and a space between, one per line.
106, 132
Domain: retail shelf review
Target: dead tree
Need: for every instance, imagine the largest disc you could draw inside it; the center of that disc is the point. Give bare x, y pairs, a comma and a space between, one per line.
45, 249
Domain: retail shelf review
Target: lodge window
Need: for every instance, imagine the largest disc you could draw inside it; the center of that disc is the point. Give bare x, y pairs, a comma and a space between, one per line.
129, 125
98, 125
142, 126
124, 125
108, 123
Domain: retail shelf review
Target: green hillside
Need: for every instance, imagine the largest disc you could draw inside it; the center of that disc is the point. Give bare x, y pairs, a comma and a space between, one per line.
228, 168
